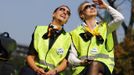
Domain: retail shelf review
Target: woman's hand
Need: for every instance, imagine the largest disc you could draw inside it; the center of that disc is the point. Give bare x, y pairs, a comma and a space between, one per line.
40, 71
51, 72
101, 3
86, 62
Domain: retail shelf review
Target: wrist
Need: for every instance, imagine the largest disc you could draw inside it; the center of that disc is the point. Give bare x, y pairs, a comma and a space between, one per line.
106, 6
36, 69
82, 62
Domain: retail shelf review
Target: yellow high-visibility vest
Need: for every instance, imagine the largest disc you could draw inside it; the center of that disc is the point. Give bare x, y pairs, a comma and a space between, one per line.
50, 58
91, 50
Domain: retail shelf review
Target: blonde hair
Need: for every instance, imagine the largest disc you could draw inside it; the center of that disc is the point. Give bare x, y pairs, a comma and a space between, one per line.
80, 9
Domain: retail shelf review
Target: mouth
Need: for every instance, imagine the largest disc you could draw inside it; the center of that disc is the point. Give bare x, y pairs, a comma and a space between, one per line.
92, 11
63, 16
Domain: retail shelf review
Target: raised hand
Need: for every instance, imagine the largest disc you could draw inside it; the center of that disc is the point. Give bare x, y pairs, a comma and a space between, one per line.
101, 3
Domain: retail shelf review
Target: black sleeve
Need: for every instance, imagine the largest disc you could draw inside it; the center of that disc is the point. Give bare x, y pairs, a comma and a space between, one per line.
32, 50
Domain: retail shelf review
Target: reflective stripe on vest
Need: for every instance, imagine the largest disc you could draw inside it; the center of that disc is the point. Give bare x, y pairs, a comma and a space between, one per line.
50, 58
91, 50
45, 64
97, 56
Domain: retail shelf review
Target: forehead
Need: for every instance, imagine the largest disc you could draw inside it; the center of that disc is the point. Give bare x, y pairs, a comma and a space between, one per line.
86, 4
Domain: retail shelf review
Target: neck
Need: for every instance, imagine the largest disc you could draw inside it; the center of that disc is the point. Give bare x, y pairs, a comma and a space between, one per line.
58, 24
90, 22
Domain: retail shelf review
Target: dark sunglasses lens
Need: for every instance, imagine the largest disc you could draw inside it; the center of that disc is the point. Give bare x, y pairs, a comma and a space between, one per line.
62, 9
93, 5
89, 6
86, 7
68, 12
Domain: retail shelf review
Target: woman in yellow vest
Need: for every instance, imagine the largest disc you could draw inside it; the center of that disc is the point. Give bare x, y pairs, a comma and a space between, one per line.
92, 48
49, 47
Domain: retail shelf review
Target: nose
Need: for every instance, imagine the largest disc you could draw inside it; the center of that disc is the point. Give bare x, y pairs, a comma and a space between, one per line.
92, 7
65, 12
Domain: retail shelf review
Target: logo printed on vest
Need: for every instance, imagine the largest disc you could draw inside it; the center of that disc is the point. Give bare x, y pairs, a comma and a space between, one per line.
60, 51
94, 51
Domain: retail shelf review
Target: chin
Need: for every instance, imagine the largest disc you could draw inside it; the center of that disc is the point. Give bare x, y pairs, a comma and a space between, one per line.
62, 21
93, 15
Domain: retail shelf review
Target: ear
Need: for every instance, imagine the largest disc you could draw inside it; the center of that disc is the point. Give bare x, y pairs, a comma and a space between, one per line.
82, 16
53, 15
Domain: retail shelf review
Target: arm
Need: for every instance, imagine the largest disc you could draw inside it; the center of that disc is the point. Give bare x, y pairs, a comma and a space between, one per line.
30, 58
117, 19
62, 66
117, 16
73, 56
31, 63
58, 69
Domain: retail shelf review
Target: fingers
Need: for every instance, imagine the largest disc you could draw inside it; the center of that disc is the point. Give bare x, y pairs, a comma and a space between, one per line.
51, 72
98, 2
40, 71
101, 3
95, 1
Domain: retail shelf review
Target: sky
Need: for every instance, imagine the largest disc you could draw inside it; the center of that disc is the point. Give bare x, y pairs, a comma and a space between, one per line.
19, 17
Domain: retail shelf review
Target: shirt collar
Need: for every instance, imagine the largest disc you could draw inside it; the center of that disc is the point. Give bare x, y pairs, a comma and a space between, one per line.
84, 24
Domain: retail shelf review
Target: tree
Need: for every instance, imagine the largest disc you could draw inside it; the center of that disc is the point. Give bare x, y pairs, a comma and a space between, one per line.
124, 51
130, 27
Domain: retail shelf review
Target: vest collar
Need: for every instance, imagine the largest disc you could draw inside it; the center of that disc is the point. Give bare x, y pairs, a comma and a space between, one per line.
55, 27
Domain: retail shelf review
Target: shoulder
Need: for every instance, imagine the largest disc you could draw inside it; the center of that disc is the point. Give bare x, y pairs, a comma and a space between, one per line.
77, 29
102, 23
41, 27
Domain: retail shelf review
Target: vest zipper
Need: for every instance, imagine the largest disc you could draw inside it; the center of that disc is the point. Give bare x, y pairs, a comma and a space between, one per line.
46, 57
88, 48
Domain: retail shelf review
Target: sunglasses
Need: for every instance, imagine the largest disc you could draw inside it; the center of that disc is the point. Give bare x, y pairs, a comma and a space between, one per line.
63, 9
89, 6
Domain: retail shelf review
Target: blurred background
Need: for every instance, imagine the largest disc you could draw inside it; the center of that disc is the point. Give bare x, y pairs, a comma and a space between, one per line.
18, 19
